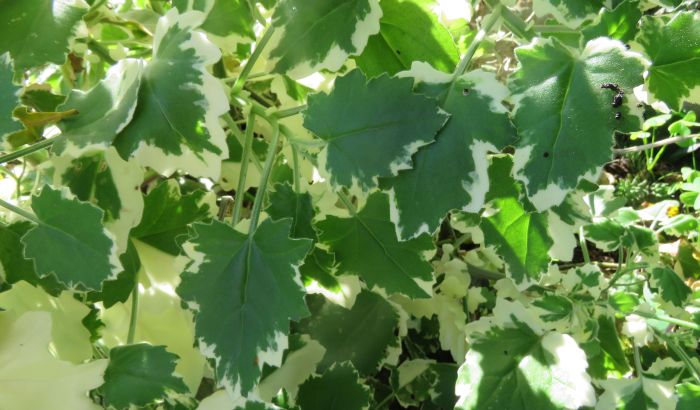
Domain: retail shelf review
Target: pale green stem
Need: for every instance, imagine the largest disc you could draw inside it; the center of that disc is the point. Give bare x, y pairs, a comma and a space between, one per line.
240, 189
489, 22
233, 127
347, 202
692, 368
28, 150
267, 170
21, 212
288, 112
584, 245
297, 170
259, 47
637, 361
668, 319
514, 23
134, 312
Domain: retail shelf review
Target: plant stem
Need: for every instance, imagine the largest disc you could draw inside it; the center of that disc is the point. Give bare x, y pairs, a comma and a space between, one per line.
489, 21
21, 212
101, 51
255, 12
297, 171
668, 319
692, 368
288, 112
483, 273
583, 245
134, 312
347, 202
514, 23
667, 141
233, 127
637, 361
267, 169
240, 188
28, 150
240, 81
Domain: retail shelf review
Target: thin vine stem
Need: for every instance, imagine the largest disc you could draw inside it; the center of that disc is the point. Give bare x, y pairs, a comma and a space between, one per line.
240, 188
692, 368
288, 112
240, 137
668, 319
347, 202
489, 22
267, 169
656, 144
583, 245
637, 361
134, 312
240, 81
297, 169
28, 150
21, 212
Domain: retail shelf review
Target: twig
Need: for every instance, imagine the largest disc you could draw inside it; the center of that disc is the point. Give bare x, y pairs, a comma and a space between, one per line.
667, 141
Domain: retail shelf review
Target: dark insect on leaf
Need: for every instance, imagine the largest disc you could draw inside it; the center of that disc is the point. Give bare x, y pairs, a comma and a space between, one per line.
618, 115
611, 86
465, 91
617, 100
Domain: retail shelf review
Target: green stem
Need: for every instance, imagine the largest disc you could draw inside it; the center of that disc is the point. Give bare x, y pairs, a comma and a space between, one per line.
514, 23
692, 368
347, 202
21, 212
668, 319
297, 171
101, 51
288, 112
483, 273
240, 188
637, 361
233, 127
134, 312
267, 169
489, 21
240, 82
28, 150
256, 13
583, 245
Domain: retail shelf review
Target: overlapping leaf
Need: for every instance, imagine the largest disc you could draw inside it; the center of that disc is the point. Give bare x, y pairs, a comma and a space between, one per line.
371, 127
619, 23
71, 227
175, 125
338, 388
224, 17
513, 363
366, 245
321, 34
343, 332
479, 123
518, 234
254, 279
409, 32
104, 110
37, 32
30, 377
565, 119
8, 97
140, 374
568, 12
673, 45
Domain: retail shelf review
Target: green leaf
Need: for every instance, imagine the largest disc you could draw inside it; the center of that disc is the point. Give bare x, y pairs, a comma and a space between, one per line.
371, 127
344, 332
321, 34
176, 122
688, 396
425, 383
643, 393
118, 290
167, 213
104, 110
571, 13
674, 49
514, 364
37, 32
619, 23
140, 374
253, 278
671, 286
31, 377
70, 231
339, 388
519, 237
605, 353
14, 266
41, 99
224, 17
479, 123
366, 245
109, 182
610, 233
409, 31
285, 203
562, 112
8, 97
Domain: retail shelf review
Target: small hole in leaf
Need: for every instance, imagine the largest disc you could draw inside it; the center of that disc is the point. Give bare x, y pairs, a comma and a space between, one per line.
465, 91
398, 52
546, 154
505, 352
